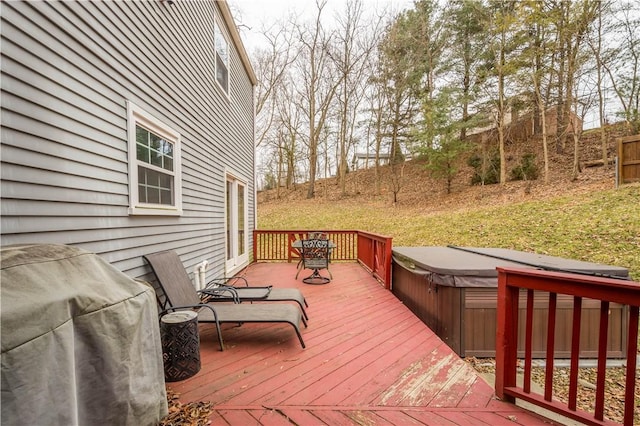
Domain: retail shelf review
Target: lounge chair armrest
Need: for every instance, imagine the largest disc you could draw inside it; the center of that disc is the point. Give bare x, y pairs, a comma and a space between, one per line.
220, 291
270, 287
226, 280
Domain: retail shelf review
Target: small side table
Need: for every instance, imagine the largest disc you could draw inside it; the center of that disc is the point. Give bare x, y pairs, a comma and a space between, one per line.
180, 345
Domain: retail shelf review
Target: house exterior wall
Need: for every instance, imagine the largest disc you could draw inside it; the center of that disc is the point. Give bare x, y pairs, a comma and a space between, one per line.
68, 71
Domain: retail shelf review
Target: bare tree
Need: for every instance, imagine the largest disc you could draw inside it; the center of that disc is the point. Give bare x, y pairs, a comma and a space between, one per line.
595, 43
355, 40
582, 18
538, 53
271, 67
398, 77
624, 68
581, 104
317, 84
289, 119
503, 41
375, 125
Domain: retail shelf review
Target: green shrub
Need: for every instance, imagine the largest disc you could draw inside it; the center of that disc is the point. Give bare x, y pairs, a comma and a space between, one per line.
527, 169
486, 168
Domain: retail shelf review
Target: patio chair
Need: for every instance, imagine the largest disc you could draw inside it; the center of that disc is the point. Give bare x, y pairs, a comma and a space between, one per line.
315, 255
180, 295
311, 235
219, 290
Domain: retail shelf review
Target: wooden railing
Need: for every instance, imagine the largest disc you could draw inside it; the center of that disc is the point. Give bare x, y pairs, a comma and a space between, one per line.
371, 250
605, 290
374, 252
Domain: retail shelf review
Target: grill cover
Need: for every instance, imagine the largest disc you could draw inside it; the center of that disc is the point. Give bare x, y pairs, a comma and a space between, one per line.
80, 341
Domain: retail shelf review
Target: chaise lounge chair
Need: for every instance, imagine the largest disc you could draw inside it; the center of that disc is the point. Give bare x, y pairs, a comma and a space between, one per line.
167, 265
180, 294
254, 294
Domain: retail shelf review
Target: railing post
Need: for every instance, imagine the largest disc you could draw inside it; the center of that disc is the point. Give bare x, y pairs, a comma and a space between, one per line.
255, 245
506, 337
387, 263
632, 354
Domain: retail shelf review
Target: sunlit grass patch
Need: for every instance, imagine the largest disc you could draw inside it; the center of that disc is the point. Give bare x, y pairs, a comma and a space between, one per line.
601, 226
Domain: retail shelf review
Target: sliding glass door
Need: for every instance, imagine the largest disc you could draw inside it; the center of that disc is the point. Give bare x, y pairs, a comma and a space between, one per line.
236, 223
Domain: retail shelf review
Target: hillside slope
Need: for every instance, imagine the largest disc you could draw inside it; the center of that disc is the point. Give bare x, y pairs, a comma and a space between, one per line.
419, 190
586, 219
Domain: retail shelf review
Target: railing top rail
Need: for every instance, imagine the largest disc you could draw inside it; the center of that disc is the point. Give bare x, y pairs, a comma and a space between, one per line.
593, 287
374, 236
302, 231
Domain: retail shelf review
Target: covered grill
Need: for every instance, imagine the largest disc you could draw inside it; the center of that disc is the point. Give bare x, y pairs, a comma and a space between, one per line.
80, 341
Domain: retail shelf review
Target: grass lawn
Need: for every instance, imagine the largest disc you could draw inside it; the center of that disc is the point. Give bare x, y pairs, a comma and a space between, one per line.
600, 226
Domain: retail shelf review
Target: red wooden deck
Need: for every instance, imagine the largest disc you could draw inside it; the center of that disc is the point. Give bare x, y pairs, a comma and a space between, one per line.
368, 361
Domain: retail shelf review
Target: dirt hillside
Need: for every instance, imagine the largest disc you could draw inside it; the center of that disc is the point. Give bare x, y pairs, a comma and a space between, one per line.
420, 191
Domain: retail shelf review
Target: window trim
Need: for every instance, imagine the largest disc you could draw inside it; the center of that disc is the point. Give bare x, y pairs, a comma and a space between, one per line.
218, 29
136, 115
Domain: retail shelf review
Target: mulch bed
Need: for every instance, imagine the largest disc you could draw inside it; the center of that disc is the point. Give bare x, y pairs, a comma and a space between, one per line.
614, 387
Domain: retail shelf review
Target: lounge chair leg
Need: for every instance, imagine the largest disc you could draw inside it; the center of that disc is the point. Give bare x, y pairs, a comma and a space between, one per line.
219, 335
304, 313
299, 336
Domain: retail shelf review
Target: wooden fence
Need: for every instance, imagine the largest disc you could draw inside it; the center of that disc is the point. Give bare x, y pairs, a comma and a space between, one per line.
629, 159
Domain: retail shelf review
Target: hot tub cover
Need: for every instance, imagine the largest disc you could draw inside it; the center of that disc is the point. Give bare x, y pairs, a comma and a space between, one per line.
80, 341
476, 267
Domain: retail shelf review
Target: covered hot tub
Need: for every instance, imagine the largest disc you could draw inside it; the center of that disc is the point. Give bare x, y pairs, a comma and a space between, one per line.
454, 291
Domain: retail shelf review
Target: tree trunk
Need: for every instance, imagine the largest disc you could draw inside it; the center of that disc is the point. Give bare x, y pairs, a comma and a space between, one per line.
598, 55
342, 168
562, 37
279, 171
501, 112
313, 160
545, 143
576, 155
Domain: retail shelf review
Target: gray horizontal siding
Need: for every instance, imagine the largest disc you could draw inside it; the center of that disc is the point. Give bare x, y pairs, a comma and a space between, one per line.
68, 69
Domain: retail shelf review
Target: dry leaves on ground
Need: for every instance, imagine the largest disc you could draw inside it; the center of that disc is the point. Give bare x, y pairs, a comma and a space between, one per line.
191, 414
614, 387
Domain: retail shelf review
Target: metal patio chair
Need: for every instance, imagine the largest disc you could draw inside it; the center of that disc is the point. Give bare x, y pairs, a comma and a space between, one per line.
315, 255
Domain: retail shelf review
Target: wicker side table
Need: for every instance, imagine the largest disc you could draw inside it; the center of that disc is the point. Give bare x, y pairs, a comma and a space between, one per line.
180, 345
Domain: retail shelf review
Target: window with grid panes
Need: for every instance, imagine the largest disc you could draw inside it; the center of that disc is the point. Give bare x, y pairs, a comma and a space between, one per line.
154, 155
222, 58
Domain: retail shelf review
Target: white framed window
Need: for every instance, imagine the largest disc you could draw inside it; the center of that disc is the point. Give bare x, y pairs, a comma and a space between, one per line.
222, 58
154, 165
237, 224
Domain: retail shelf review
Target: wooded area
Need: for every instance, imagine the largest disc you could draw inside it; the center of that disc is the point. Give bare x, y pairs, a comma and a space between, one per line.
439, 81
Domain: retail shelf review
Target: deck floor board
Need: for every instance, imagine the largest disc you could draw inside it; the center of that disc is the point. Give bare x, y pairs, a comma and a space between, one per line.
368, 360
